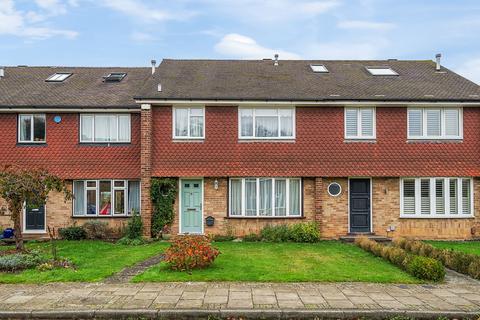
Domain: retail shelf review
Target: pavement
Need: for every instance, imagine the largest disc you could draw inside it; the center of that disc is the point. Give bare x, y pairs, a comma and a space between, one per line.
458, 298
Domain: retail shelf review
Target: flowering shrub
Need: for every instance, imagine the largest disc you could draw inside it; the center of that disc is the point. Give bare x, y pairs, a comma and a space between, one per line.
190, 252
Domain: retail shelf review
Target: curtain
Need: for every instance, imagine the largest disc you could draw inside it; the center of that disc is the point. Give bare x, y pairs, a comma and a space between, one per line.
181, 122
87, 128
294, 197
196, 122
236, 197
102, 127
251, 197
25, 128
124, 128
266, 126
79, 198
133, 196
246, 122
286, 122
280, 197
265, 197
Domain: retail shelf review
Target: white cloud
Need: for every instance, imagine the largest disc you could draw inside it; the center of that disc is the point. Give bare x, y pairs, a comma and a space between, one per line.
238, 46
365, 25
471, 70
26, 24
141, 37
53, 7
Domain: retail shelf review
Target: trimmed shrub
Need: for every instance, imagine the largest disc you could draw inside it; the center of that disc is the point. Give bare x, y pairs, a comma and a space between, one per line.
252, 237
20, 261
279, 233
73, 233
304, 232
190, 252
97, 230
131, 242
459, 261
426, 268
474, 268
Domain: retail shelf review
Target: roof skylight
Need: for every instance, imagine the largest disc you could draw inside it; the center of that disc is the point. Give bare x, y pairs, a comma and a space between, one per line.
320, 68
382, 71
58, 77
115, 77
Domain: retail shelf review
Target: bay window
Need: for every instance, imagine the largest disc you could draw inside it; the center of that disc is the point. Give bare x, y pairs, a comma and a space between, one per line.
105, 197
105, 128
266, 123
188, 123
435, 123
436, 197
31, 128
265, 197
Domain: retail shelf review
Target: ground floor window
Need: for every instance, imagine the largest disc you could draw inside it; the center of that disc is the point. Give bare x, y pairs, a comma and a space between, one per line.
265, 197
436, 197
105, 197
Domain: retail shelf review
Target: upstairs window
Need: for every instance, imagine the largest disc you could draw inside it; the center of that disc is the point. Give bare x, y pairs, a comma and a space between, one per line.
31, 128
105, 128
360, 123
267, 123
58, 77
188, 123
436, 197
435, 123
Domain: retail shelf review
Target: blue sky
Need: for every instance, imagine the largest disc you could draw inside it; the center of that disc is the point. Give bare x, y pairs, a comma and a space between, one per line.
131, 32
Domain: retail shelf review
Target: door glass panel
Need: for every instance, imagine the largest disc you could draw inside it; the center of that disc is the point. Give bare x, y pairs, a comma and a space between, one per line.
105, 198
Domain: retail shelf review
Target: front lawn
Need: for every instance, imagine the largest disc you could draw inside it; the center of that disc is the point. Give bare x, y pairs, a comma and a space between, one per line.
465, 246
95, 261
327, 261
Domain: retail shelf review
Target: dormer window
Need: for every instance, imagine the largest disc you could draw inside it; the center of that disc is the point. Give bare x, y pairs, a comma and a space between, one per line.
319, 68
381, 71
114, 77
58, 77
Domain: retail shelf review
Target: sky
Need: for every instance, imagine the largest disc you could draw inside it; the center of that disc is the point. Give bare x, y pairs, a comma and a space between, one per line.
132, 32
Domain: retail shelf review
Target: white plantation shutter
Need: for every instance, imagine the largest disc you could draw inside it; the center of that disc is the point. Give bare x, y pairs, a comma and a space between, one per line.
452, 123
439, 196
433, 122
351, 122
367, 122
466, 196
453, 196
409, 196
425, 196
415, 122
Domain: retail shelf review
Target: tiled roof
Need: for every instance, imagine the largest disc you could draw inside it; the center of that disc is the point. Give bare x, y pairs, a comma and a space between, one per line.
26, 87
294, 80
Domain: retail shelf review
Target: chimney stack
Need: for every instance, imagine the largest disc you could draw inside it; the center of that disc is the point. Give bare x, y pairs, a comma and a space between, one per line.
438, 56
276, 60
154, 62
2, 72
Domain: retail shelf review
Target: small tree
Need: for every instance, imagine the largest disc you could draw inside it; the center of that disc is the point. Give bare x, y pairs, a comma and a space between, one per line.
20, 186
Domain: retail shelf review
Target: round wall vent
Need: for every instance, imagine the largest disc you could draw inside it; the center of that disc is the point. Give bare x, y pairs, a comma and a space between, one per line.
334, 189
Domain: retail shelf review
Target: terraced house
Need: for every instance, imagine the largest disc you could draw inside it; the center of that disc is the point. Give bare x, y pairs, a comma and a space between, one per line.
384, 147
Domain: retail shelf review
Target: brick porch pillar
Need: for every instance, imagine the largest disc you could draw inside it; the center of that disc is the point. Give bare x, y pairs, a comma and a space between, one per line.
318, 202
146, 168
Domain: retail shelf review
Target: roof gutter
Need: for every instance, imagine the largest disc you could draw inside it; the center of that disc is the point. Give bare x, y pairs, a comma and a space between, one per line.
9, 109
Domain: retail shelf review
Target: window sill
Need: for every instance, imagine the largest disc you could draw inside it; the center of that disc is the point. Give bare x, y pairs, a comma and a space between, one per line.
264, 218
439, 141
105, 144
460, 216
360, 140
31, 144
188, 140
290, 140
102, 217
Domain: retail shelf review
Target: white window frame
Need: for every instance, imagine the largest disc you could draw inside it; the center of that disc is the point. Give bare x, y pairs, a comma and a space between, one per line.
59, 77
117, 116
442, 135
32, 129
97, 191
188, 137
254, 137
359, 135
446, 194
273, 216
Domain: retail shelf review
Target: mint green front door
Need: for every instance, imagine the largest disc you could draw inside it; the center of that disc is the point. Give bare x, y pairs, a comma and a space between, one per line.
191, 211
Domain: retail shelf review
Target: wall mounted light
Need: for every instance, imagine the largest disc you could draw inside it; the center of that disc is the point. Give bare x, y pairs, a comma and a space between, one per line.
215, 184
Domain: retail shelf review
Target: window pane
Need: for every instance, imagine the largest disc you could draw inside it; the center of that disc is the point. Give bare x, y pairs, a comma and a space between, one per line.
39, 128
196, 126
133, 197
409, 196
236, 197
124, 128
86, 129
102, 128
251, 197
265, 197
91, 184
452, 127
415, 119
439, 196
119, 202
466, 196
286, 122
181, 122
79, 198
351, 122
266, 126
105, 198
119, 184
246, 122
280, 197
25, 128
433, 123
92, 202
112, 128
425, 196
294, 199
453, 196
367, 122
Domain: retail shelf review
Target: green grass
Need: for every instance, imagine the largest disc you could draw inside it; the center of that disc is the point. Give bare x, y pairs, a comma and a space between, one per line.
327, 261
95, 260
465, 246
